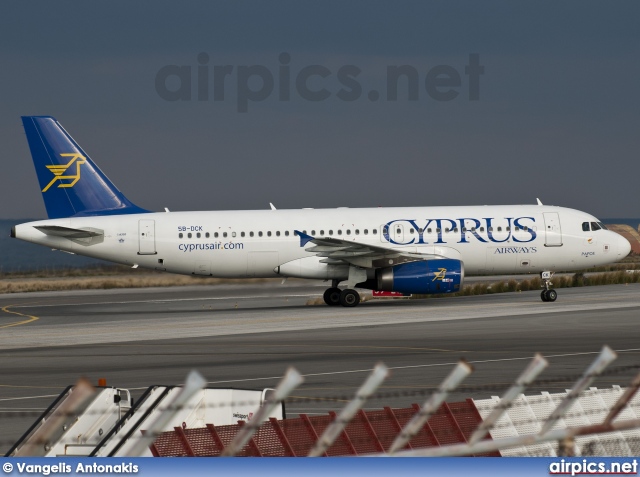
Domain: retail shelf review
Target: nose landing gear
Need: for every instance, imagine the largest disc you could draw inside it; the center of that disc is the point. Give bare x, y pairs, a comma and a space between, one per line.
548, 294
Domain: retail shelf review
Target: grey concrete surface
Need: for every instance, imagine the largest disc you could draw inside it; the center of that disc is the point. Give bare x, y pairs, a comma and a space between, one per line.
248, 336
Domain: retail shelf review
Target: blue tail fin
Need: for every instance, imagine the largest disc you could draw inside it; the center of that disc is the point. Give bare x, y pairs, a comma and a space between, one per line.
71, 184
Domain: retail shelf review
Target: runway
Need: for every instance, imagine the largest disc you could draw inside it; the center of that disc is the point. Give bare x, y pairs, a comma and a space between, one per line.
247, 336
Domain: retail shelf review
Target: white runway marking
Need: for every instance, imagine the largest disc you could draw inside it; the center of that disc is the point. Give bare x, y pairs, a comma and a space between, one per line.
429, 365
368, 370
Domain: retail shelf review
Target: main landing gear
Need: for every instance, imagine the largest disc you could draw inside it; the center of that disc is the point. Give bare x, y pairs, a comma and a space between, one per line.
548, 294
334, 296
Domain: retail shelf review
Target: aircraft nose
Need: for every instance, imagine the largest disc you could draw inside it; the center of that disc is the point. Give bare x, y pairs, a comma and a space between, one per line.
624, 247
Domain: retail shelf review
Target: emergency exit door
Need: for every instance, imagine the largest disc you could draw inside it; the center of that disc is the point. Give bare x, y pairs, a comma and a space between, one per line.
146, 237
553, 232
395, 233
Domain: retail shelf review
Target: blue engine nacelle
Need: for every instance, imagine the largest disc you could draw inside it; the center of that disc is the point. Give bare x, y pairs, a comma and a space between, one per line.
425, 277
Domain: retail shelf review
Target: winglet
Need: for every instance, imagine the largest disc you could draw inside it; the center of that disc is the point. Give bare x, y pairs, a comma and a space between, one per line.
304, 238
539, 203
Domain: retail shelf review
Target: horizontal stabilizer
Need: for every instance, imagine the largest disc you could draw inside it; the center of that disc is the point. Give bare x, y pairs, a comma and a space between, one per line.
68, 232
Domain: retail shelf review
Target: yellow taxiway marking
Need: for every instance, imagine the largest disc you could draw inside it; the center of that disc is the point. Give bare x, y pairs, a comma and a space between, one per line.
30, 318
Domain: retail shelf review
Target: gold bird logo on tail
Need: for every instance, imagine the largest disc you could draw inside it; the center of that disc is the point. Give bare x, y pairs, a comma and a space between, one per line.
59, 170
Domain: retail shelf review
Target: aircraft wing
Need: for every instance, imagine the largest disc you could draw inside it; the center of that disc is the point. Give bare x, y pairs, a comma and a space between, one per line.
337, 251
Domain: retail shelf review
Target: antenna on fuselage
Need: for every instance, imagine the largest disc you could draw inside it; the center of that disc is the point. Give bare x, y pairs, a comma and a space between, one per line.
273, 207
539, 203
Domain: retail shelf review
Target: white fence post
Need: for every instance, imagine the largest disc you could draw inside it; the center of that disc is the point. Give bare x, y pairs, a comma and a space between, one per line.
332, 432
431, 406
194, 383
37, 443
604, 359
525, 379
291, 380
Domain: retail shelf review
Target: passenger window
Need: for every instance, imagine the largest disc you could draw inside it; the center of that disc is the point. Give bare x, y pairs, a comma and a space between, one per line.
224, 234
517, 229
490, 229
481, 229
366, 231
313, 232
525, 228
429, 230
508, 228
410, 231
348, 232
322, 233
198, 235
180, 235
207, 235
189, 235
339, 232
357, 232
585, 226
215, 234
269, 233
595, 226
374, 231
499, 229
438, 229
330, 232
446, 231
464, 229
233, 234
286, 232
241, 234
250, 234
455, 229
277, 233
259, 234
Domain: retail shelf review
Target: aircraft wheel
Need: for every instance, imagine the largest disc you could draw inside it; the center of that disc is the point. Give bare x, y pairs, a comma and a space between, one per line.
552, 295
349, 298
332, 296
543, 295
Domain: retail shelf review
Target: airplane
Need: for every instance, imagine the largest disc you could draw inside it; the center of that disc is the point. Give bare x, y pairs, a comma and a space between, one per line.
417, 250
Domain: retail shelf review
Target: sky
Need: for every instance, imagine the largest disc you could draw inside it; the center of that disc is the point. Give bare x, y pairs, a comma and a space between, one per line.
553, 114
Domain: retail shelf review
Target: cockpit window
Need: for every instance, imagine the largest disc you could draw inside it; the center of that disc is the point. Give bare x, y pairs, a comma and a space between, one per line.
602, 226
595, 226
585, 226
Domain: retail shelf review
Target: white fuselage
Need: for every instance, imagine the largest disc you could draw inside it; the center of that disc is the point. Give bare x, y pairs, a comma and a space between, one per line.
239, 244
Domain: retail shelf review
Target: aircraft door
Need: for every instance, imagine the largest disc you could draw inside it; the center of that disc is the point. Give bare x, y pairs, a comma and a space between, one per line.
146, 237
395, 232
553, 232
